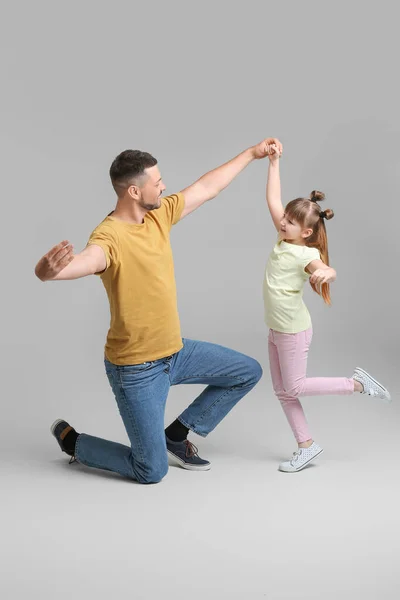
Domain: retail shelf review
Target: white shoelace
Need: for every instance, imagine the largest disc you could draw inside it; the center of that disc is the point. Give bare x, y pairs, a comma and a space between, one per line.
295, 456
369, 387
371, 391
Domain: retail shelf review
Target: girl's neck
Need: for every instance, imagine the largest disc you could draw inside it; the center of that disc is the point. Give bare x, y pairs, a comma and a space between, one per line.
299, 243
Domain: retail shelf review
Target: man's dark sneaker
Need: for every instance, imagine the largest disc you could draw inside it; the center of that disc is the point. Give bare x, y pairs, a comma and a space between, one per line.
65, 435
186, 455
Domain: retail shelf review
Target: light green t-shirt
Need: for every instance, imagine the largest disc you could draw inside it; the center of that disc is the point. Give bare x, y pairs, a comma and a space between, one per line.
284, 281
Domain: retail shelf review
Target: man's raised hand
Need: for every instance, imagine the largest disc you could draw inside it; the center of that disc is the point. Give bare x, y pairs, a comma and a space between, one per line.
54, 261
267, 147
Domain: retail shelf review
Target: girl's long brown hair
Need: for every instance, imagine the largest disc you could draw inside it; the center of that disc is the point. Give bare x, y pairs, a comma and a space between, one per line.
308, 214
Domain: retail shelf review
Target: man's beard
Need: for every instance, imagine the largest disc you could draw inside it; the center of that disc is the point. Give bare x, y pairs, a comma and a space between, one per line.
152, 206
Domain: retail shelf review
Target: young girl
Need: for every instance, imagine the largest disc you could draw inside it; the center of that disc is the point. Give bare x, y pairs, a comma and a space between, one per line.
301, 253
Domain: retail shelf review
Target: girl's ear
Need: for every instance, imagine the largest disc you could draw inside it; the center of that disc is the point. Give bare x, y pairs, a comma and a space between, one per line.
306, 233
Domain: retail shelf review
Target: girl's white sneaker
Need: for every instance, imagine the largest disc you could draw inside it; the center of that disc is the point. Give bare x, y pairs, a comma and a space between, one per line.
301, 458
370, 385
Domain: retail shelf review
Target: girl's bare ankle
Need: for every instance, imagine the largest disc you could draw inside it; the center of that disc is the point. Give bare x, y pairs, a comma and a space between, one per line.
306, 444
358, 387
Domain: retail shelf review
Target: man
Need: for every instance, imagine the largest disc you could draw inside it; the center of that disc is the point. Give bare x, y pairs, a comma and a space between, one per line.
145, 353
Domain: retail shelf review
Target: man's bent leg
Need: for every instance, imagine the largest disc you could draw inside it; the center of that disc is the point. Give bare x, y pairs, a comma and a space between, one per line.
141, 392
230, 375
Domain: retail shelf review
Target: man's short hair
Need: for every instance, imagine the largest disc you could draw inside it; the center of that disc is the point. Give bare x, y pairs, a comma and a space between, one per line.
128, 167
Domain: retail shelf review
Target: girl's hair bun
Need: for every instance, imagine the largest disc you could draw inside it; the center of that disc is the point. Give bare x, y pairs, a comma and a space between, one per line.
317, 196
328, 214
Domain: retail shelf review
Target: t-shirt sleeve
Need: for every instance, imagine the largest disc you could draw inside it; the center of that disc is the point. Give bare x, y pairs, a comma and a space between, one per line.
105, 237
309, 255
171, 209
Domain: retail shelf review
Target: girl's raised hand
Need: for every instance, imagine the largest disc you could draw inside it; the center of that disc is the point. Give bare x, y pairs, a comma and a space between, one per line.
274, 152
264, 148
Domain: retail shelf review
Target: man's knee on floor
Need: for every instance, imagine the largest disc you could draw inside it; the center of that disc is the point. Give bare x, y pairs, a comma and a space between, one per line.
151, 473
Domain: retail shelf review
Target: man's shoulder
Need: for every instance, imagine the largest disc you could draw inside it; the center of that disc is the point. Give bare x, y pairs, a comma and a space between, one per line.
105, 224
106, 228
170, 209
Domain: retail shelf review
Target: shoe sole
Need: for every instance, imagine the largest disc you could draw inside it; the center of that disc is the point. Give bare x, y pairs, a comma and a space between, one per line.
305, 464
53, 427
53, 432
187, 466
388, 397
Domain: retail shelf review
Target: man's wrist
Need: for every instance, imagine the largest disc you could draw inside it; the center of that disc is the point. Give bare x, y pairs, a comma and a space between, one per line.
251, 152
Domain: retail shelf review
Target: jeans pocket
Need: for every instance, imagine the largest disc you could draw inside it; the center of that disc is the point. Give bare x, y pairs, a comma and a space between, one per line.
133, 369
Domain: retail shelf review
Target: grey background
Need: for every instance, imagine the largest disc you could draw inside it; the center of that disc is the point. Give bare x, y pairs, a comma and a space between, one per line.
195, 84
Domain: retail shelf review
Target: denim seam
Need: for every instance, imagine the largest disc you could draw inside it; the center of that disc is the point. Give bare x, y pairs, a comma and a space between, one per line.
191, 427
90, 463
216, 401
113, 470
77, 444
212, 376
189, 353
129, 412
133, 371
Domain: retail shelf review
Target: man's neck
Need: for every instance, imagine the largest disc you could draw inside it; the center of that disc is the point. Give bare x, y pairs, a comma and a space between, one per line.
128, 213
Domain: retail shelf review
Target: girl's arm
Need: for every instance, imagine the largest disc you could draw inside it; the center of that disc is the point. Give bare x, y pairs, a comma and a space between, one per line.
320, 272
213, 182
274, 188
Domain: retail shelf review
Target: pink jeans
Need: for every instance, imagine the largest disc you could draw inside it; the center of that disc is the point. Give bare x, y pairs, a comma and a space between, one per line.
288, 354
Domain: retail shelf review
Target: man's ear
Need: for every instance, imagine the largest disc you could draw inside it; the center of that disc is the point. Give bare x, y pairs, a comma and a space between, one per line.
134, 192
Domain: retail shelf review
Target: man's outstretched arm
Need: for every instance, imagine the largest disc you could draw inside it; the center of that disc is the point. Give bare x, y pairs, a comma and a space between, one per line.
213, 182
60, 263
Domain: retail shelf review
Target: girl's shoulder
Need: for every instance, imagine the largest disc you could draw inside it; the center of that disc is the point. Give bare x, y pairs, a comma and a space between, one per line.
301, 252
297, 254
310, 252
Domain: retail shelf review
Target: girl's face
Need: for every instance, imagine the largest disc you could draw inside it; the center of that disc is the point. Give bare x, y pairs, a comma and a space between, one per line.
293, 232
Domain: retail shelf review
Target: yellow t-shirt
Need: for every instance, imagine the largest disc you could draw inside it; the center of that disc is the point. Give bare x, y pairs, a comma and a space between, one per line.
284, 281
140, 283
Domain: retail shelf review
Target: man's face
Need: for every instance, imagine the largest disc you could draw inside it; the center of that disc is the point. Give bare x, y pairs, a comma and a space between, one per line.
151, 189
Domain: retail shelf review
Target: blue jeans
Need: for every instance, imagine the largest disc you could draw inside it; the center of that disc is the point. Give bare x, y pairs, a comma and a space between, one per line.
141, 392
